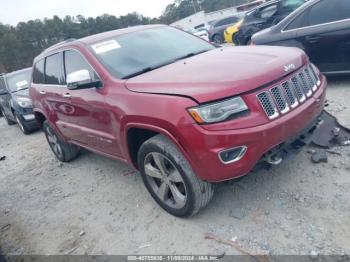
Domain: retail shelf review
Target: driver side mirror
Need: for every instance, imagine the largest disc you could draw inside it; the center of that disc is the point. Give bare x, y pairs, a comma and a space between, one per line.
81, 79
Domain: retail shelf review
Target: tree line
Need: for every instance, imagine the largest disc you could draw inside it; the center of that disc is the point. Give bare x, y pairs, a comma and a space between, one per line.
21, 43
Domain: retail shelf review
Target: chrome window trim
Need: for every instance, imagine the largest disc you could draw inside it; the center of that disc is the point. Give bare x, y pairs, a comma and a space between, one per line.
62, 51
311, 26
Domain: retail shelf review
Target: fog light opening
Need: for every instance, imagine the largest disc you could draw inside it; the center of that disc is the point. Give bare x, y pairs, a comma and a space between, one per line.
232, 155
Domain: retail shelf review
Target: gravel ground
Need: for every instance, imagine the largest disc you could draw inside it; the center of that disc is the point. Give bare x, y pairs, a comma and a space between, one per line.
95, 205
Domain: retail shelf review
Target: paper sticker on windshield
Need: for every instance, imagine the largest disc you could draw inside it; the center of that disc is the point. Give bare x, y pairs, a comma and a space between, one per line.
105, 46
22, 84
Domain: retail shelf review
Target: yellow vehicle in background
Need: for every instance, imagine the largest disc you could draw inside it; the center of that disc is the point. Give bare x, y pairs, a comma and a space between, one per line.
231, 31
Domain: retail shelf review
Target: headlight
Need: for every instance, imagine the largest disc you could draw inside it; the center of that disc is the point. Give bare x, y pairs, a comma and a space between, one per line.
217, 112
24, 102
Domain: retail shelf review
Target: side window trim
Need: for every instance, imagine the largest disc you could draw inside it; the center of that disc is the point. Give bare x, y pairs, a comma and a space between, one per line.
311, 26
284, 30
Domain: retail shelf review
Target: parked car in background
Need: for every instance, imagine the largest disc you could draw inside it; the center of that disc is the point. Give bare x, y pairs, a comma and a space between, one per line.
161, 107
201, 32
217, 29
321, 28
231, 31
15, 103
264, 16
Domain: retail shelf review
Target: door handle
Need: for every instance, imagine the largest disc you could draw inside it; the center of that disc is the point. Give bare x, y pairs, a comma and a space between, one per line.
67, 95
42, 92
313, 39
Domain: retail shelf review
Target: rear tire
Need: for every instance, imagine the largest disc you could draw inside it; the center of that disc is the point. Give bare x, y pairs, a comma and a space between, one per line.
218, 39
170, 179
63, 151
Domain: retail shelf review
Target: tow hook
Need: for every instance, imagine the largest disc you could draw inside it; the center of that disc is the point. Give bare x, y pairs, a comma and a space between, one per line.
274, 160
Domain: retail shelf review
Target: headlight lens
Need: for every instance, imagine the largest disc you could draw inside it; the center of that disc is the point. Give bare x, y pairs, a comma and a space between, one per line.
24, 102
217, 112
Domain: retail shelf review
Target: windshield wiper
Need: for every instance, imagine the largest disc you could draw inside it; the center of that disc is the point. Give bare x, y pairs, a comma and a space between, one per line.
144, 70
190, 55
151, 68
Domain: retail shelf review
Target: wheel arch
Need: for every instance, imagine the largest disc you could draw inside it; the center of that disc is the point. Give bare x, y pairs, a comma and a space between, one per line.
40, 117
136, 134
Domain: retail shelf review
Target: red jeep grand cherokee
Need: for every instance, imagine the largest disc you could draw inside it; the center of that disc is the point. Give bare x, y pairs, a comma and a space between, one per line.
181, 111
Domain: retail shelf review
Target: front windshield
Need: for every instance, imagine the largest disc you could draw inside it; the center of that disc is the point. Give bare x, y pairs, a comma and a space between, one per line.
136, 53
18, 81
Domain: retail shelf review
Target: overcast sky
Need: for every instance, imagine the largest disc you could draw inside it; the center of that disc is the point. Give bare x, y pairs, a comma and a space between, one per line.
14, 11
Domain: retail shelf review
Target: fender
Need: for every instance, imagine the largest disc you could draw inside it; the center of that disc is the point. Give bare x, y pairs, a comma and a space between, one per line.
157, 129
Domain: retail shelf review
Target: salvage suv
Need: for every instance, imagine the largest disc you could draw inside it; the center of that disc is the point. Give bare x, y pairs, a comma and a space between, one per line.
182, 112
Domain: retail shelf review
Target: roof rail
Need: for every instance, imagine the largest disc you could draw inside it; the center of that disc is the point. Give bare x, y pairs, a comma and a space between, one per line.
60, 43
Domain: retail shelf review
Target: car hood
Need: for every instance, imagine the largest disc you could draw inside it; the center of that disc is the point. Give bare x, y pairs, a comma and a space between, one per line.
22, 93
220, 73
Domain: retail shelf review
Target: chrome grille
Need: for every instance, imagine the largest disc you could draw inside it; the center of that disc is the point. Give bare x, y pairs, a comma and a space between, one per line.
294, 91
304, 84
279, 99
315, 76
267, 103
292, 100
311, 81
298, 90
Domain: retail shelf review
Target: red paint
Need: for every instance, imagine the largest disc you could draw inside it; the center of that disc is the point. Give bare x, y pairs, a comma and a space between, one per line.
99, 119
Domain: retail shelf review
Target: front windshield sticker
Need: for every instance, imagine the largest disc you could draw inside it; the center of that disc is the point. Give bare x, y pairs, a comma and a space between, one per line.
21, 84
105, 46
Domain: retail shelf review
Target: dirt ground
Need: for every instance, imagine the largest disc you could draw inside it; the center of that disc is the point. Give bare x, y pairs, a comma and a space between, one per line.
95, 205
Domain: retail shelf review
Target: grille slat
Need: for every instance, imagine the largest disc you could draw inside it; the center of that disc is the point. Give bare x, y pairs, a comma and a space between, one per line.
279, 99
268, 105
292, 100
294, 91
298, 90
304, 84
313, 73
310, 80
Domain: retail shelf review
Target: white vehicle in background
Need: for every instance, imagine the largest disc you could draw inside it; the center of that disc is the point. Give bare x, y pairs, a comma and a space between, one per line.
201, 32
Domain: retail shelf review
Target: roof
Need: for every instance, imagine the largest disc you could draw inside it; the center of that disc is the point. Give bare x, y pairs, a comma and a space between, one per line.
96, 38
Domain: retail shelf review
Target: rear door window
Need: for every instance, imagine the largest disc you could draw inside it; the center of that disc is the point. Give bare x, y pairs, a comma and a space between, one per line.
327, 11
38, 72
53, 70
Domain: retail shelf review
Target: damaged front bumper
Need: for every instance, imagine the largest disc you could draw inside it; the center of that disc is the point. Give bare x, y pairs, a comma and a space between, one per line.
325, 132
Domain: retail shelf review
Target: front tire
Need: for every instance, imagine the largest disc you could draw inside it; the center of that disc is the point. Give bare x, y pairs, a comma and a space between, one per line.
170, 180
218, 39
8, 121
22, 125
63, 151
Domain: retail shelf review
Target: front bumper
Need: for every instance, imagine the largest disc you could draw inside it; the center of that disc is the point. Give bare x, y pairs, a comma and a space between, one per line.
203, 146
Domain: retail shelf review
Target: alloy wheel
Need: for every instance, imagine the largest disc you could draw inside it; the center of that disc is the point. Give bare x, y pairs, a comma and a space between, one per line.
54, 143
165, 180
